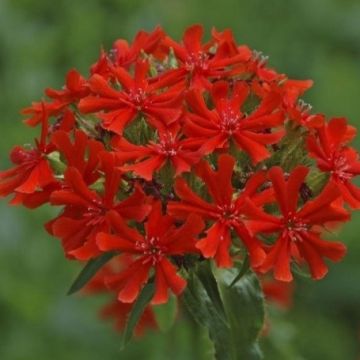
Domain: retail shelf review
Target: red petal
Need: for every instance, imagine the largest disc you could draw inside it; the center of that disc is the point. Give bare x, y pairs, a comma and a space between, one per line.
135, 206
100, 86
182, 240
166, 277
146, 168
192, 38
296, 179
209, 246
276, 176
92, 104
121, 228
107, 242
158, 224
253, 245
117, 120
78, 185
219, 182
257, 151
134, 283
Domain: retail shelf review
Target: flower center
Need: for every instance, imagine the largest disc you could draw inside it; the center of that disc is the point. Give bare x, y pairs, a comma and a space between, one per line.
341, 168
197, 61
229, 122
167, 146
137, 97
151, 248
22, 156
95, 214
228, 214
294, 227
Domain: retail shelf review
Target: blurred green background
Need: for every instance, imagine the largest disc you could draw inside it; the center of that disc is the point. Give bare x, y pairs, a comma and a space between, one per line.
39, 41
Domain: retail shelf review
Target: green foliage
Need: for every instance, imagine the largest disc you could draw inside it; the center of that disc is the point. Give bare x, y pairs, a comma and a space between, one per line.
244, 304
233, 315
137, 310
89, 271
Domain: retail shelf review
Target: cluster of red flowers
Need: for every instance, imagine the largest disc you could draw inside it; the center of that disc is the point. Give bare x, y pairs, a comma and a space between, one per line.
170, 153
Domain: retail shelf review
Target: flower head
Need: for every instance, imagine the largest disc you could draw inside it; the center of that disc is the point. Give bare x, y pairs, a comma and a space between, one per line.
152, 251
297, 228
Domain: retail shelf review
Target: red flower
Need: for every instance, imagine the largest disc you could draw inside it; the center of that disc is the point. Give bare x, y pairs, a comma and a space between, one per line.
75, 89
242, 52
162, 239
103, 66
138, 95
198, 62
328, 147
217, 127
124, 54
83, 153
116, 310
181, 153
32, 171
298, 229
38, 110
85, 213
297, 109
224, 212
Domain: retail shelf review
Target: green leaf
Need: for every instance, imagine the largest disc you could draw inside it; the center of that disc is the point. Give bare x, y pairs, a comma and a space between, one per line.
235, 338
89, 270
137, 310
244, 268
316, 181
209, 282
244, 304
204, 312
55, 162
166, 313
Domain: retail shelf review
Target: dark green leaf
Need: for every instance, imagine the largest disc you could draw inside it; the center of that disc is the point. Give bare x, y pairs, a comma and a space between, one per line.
244, 305
89, 270
209, 282
137, 310
244, 268
235, 338
204, 312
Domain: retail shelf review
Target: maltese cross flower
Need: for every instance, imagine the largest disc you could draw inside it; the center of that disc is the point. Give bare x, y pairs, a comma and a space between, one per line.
298, 229
224, 212
76, 88
138, 95
199, 63
328, 147
181, 153
125, 55
85, 210
162, 240
227, 122
32, 171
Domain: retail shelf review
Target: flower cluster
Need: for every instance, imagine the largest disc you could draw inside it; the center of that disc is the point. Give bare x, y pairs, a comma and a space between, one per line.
172, 153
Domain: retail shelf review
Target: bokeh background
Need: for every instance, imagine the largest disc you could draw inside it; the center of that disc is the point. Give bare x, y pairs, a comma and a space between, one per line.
39, 41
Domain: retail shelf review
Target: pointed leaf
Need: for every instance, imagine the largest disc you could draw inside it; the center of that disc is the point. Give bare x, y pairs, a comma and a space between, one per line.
209, 282
236, 337
204, 312
89, 270
244, 304
137, 310
244, 268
